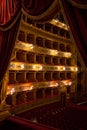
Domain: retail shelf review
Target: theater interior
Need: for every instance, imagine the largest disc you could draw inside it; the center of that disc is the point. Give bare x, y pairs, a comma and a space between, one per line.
43, 64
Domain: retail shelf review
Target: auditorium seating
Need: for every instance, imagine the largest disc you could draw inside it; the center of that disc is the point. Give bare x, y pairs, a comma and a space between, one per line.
48, 117
72, 117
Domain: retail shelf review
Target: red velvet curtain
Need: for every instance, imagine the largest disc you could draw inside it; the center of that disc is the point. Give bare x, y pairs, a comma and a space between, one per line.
8, 8
76, 13
36, 7
41, 10
9, 23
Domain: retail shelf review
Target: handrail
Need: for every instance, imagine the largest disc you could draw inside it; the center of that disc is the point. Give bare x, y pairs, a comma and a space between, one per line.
28, 124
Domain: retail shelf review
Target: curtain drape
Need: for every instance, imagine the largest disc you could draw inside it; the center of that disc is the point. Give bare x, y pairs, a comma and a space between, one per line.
76, 14
9, 23
9, 10
36, 7
41, 10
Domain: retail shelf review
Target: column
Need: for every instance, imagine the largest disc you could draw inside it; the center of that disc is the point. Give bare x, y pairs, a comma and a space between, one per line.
14, 99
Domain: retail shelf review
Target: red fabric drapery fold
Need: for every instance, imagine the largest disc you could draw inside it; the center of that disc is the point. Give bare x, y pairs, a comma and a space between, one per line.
41, 11
8, 8
36, 7
8, 41
77, 19
9, 23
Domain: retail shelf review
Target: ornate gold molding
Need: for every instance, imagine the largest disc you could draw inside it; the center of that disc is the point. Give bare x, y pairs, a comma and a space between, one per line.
40, 67
39, 32
41, 50
14, 88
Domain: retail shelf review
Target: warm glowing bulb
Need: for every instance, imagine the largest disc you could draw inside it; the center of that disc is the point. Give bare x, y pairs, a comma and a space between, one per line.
56, 84
22, 66
63, 24
76, 68
34, 67
56, 20
31, 46
64, 68
31, 87
12, 91
40, 67
70, 83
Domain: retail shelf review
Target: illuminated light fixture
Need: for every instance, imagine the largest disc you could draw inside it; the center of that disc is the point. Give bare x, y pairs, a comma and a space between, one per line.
56, 20
31, 46
74, 69
12, 91
67, 54
40, 67
64, 68
56, 84
53, 84
70, 83
37, 67
34, 67
63, 24
12, 65
53, 52
58, 23
67, 82
22, 66
27, 45
61, 68
24, 45
56, 52
31, 87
